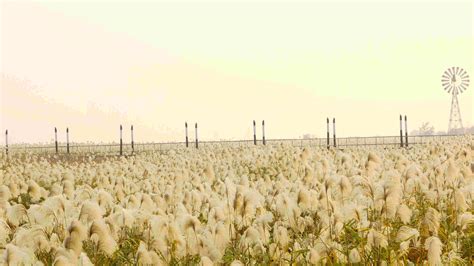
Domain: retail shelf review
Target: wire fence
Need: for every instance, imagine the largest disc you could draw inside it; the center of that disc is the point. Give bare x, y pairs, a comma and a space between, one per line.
128, 148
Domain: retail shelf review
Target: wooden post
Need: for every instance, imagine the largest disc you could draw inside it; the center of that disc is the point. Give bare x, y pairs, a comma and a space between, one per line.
263, 133
327, 135
406, 132
6, 141
186, 130
121, 142
401, 133
334, 131
133, 146
254, 134
67, 140
56, 139
196, 131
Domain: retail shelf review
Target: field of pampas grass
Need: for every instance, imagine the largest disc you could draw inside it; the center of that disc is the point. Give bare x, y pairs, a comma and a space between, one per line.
260, 205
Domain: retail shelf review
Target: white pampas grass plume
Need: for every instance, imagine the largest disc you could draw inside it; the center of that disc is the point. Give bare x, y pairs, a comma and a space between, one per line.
314, 256
376, 239
105, 200
13, 255
206, 261
354, 256
465, 219
147, 203
133, 202
5, 195
34, 190
174, 236
264, 219
192, 223
74, 244
406, 233
65, 257
434, 247
404, 213
76, 229
15, 192
237, 263
16, 214
62, 261
460, 201
84, 260
251, 236
90, 211
143, 256
374, 158
99, 232
4, 231
280, 236
304, 199
345, 186
431, 220
68, 188
55, 190
209, 173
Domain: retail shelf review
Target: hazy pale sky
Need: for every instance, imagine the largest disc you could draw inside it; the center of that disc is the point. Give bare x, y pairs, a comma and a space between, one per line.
92, 65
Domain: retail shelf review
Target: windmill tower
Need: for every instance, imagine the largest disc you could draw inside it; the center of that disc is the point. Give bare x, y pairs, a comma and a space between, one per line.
455, 80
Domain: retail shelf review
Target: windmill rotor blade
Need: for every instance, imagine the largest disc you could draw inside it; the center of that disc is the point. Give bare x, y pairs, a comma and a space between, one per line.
454, 70
445, 85
450, 89
446, 76
450, 73
464, 87
457, 70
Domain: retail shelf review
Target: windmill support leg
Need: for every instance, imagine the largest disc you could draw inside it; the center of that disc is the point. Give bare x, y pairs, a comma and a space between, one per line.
455, 121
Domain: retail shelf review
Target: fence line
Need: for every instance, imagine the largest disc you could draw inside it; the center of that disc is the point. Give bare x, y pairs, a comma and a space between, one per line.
115, 148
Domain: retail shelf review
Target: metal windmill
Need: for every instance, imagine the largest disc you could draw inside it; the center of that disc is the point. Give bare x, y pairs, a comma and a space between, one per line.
455, 80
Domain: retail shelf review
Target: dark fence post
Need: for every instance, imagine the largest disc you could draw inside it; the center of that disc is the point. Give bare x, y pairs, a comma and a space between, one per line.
327, 135
121, 143
254, 134
406, 132
401, 133
67, 140
56, 139
133, 146
334, 131
186, 130
196, 131
6, 141
263, 133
